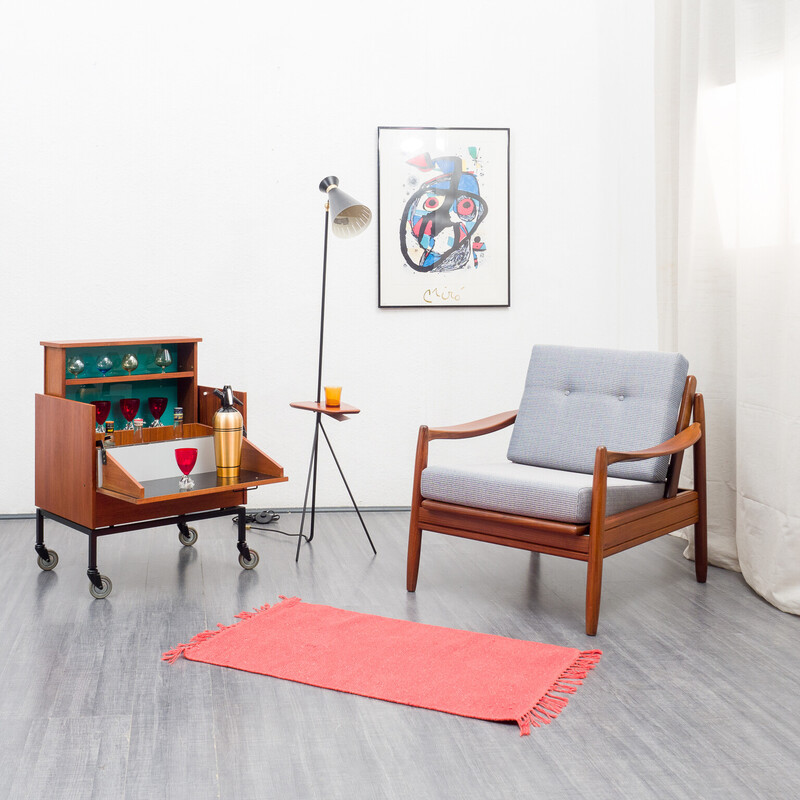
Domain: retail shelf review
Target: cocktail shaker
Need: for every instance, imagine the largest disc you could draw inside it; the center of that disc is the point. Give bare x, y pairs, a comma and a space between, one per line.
228, 426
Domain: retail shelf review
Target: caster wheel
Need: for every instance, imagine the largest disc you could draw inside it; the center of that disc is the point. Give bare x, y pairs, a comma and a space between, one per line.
103, 591
48, 563
248, 563
187, 537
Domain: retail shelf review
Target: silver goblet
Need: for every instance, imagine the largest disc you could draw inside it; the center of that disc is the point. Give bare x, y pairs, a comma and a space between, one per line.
129, 362
75, 366
163, 358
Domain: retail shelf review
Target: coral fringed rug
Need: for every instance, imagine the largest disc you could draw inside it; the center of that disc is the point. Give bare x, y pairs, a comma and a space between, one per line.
474, 675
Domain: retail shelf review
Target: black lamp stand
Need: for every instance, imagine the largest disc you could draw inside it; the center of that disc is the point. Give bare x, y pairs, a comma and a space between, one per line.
311, 480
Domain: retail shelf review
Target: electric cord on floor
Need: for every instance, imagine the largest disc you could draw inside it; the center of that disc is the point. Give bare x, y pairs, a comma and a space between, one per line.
261, 517
255, 522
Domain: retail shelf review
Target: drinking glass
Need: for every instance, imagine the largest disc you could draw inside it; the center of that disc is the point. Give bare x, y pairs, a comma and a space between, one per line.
129, 406
104, 365
102, 408
75, 366
186, 458
333, 396
129, 362
157, 406
163, 358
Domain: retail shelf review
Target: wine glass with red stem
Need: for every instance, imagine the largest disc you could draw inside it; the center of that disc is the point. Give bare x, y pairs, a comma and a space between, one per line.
186, 458
157, 405
102, 408
129, 406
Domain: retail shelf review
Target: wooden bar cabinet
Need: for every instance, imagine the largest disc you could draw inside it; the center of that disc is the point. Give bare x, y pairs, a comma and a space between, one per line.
99, 490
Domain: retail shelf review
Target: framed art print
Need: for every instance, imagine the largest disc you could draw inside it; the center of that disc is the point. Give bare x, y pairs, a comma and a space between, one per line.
443, 217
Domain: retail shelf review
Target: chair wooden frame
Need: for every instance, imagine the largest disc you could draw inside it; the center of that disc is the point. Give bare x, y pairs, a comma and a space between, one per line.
603, 535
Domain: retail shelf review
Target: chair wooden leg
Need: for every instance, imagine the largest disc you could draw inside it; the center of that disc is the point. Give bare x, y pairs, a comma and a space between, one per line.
594, 582
700, 528
594, 567
414, 547
700, 551
414, 531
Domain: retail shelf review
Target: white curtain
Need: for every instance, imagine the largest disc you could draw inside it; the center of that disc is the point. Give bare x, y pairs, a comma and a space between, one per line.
728, 177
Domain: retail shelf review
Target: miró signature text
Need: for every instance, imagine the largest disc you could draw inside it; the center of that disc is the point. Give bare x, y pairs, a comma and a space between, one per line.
443, 295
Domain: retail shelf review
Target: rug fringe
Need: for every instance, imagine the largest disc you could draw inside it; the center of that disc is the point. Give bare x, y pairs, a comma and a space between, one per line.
551, 705
171, 656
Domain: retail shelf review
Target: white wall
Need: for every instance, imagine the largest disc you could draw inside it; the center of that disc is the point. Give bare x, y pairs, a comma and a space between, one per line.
148, 150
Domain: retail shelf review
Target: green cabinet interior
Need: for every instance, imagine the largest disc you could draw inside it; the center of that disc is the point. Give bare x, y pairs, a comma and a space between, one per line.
176, 382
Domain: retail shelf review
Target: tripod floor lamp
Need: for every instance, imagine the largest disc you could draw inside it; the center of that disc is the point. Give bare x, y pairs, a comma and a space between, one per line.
346, 217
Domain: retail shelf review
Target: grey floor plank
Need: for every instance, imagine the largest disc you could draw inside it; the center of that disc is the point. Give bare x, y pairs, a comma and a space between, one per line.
695, 697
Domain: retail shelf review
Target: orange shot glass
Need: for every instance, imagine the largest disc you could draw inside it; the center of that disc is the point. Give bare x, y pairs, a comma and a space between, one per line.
333, 396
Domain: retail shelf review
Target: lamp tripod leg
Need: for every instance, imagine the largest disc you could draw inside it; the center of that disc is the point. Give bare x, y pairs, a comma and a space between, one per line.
314, 481
312, 468
346, 486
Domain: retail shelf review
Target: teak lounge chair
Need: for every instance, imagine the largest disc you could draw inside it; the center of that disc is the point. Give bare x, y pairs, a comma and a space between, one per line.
593, 464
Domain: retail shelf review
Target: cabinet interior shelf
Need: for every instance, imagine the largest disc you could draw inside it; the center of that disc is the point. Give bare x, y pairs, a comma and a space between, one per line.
154, 376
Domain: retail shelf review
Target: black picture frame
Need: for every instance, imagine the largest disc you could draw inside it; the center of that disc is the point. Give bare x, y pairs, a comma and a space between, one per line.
444, 236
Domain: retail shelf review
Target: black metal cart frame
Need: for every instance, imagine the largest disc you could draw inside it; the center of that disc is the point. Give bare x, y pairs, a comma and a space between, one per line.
100, 585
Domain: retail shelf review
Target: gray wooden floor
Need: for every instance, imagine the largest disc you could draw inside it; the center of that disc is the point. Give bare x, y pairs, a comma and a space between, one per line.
696, 695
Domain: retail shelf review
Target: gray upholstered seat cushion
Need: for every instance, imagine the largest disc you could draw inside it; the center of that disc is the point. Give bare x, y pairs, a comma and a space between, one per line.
532, 491
578, 398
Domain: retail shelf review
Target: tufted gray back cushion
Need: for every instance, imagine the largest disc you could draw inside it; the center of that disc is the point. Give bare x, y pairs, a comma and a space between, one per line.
578, 398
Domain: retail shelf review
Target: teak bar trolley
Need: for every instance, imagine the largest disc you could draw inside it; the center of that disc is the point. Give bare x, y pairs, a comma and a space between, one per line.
98, 490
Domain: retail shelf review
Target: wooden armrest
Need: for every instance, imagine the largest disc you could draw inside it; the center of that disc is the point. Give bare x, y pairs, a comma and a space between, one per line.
477, 428
686, 438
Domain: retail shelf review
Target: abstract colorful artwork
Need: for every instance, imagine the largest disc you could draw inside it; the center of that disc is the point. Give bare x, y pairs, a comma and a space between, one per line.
443, 217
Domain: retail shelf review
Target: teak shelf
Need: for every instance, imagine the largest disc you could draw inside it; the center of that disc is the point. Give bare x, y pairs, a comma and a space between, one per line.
126, 378
100, 491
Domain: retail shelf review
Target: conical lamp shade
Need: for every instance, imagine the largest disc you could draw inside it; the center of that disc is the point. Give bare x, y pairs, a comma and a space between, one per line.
349, 217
